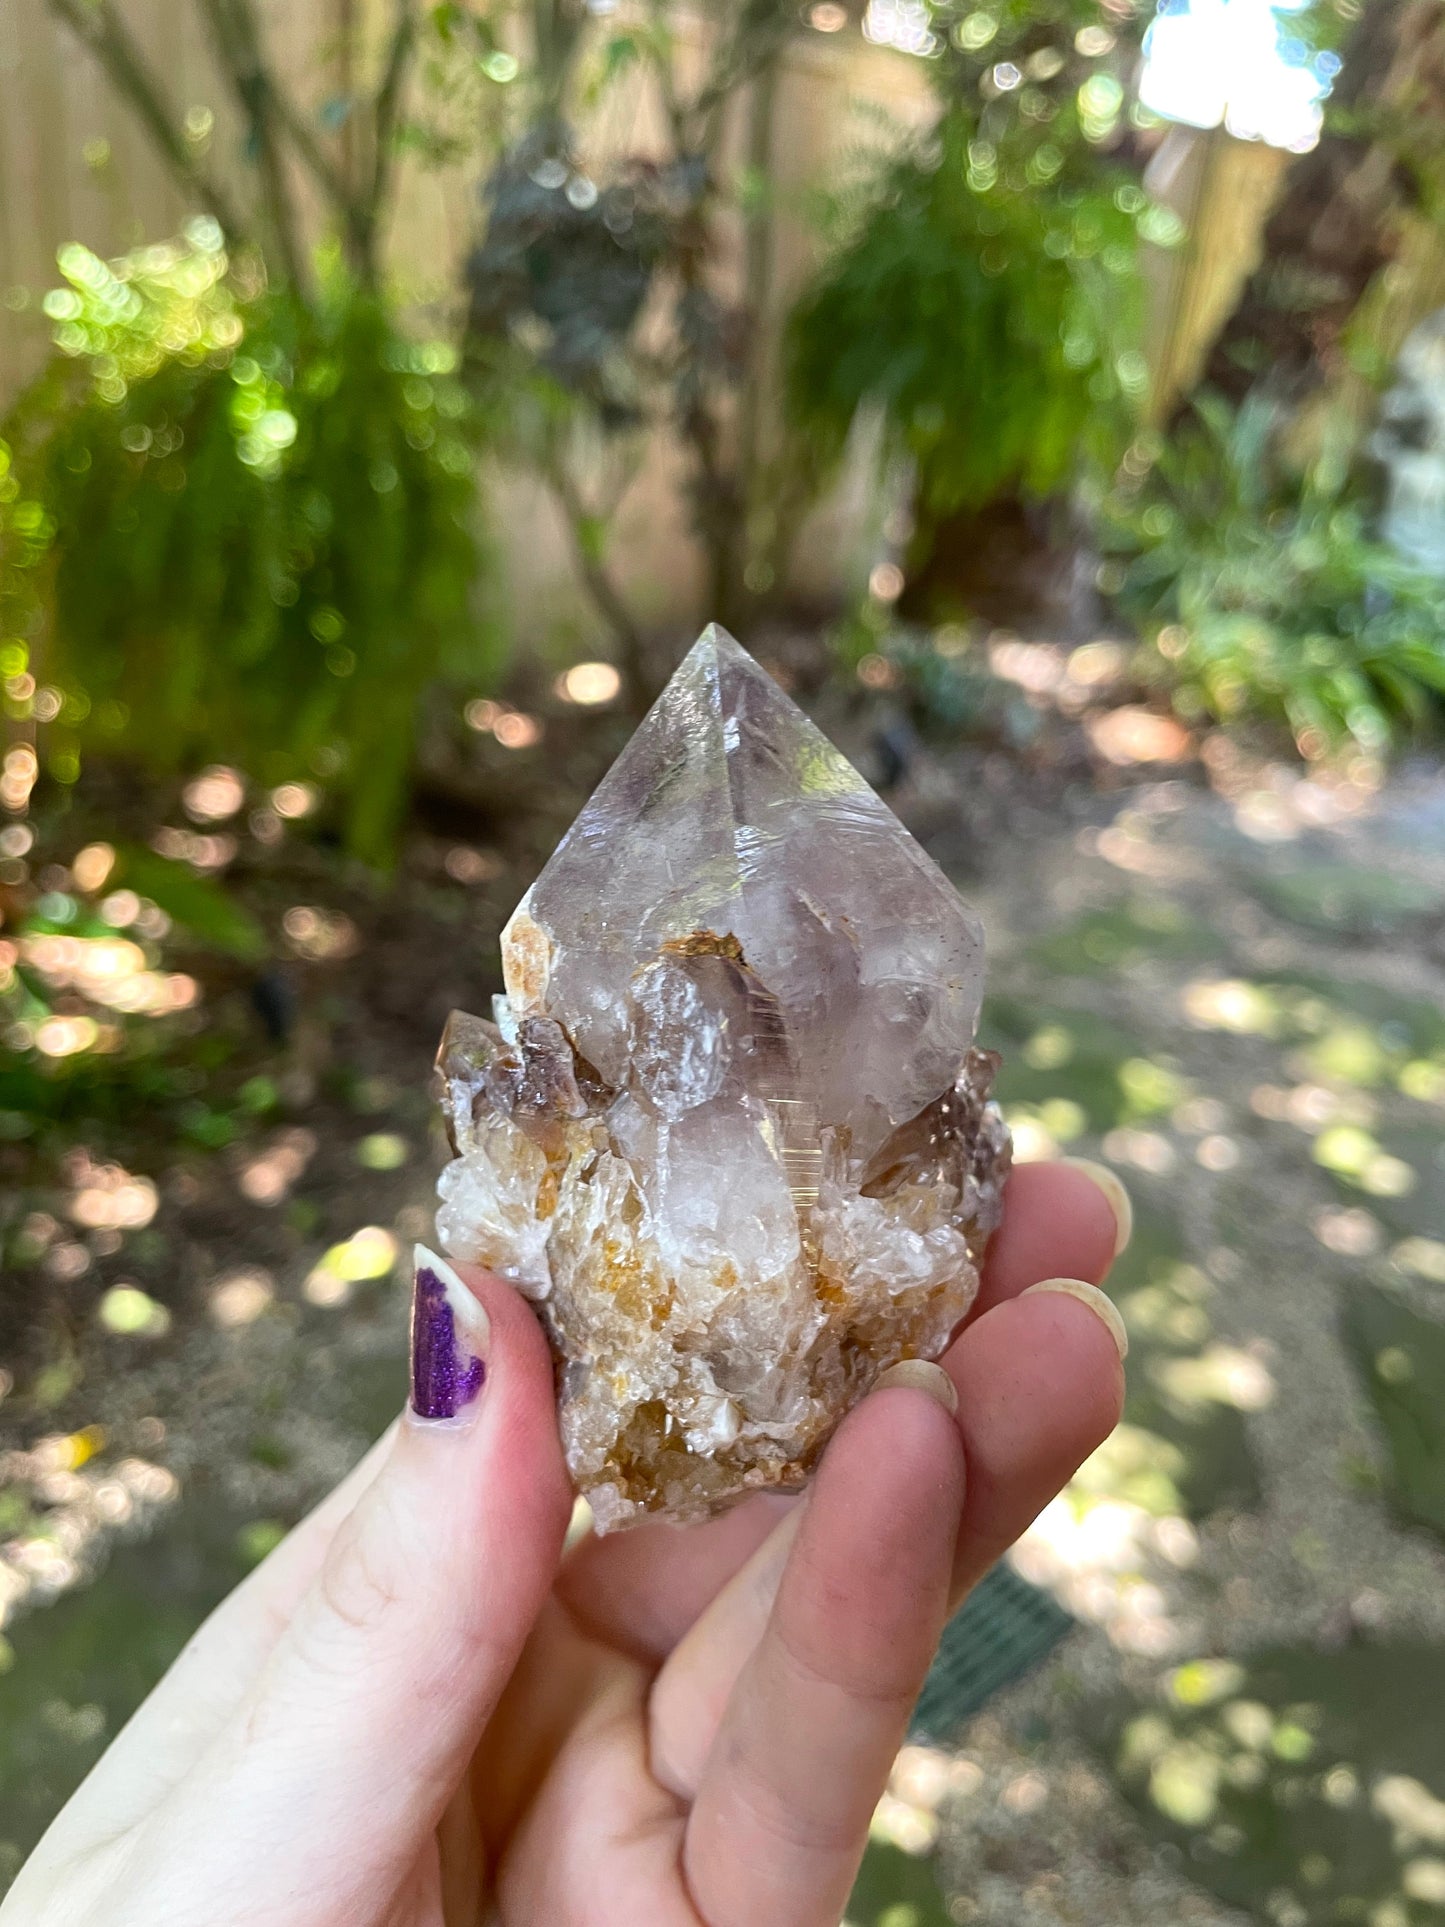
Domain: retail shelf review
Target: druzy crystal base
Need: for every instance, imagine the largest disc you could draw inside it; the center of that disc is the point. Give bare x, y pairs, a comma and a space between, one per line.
728, 1128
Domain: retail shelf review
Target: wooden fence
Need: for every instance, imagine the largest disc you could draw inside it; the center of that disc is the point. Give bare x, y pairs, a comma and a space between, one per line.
75, 165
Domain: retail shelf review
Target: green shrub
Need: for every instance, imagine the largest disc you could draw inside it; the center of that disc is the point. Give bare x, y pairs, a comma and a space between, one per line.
239, 527
1265, 594
101, 1030
984, 296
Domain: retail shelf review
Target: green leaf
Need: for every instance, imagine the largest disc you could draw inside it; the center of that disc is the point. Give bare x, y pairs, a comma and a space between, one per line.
185, 515
199, 903
622, 50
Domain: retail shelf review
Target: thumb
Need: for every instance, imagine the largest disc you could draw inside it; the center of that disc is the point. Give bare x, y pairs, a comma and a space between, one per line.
360, 1726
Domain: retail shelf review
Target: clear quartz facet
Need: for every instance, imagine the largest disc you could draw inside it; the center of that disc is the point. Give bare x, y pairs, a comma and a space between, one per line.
729, 1128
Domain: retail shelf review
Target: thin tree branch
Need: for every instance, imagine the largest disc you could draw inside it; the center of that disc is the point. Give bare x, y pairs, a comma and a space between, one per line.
107, 37
383, 121
760, 30
723, 489
351, 209
304, 138
636, 670
757, 278
347, 31
557, 28
239, 51
667, 79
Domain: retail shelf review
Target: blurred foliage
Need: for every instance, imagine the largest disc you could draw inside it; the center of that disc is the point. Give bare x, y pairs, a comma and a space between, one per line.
984, 291
940, 679
950, 689
236, 525
467, 75
1263, 593
100, 1023
896, 1889
560, 276
601, 307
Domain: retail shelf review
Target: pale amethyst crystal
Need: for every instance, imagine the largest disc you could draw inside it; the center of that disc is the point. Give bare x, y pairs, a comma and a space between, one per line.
729, 1128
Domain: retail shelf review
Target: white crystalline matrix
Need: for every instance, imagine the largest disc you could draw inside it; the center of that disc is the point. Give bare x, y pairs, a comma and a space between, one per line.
730, 1130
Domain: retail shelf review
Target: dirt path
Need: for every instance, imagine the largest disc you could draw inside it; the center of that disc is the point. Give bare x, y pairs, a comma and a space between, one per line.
1243, 1007
1239, 1002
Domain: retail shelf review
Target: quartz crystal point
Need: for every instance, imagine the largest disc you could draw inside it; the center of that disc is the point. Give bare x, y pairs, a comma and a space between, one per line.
729, 1128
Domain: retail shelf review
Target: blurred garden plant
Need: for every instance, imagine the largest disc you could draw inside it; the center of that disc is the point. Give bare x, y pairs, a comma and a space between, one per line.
100, 1028
982, 294
243, 520
238, 526
242, 525
1262, 593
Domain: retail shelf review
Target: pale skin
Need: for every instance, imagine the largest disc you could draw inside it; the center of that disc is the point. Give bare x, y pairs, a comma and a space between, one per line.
419, 1713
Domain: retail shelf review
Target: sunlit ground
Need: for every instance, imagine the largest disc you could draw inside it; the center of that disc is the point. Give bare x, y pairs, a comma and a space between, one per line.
1231, 990
1239, 1004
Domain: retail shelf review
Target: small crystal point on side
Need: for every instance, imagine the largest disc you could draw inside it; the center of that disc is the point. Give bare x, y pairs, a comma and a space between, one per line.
729, 1128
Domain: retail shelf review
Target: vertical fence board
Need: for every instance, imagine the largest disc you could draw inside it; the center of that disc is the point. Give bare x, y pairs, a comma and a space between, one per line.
835, 96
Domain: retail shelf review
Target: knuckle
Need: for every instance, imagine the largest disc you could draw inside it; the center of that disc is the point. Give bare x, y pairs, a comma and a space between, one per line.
871, 1674
361, 1580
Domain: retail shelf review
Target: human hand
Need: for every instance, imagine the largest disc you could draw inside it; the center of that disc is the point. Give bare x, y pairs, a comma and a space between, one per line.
418, 1713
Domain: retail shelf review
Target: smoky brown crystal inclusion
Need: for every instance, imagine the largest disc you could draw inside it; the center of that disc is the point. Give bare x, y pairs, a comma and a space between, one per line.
728, 1129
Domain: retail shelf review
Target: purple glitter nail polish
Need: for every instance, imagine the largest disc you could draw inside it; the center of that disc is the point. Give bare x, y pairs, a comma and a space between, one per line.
445, 1375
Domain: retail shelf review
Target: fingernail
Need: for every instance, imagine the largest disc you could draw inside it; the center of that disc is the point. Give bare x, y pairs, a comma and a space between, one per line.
450, 1333
1112, 1186
1102, 1306
920, 1376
